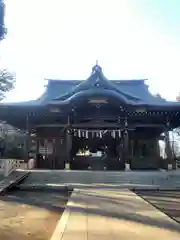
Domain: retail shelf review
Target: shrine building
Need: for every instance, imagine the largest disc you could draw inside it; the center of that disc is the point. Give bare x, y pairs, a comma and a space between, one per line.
120, 119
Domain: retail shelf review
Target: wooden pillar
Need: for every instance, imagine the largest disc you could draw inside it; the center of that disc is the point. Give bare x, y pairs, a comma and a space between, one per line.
68, 144
28, 138
168, 149
37, 145
37, 152
126, 146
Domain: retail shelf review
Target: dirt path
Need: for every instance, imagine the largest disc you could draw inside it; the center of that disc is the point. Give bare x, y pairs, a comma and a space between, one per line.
26, 215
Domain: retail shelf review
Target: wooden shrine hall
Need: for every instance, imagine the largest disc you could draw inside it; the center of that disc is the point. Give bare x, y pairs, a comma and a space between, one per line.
96, 123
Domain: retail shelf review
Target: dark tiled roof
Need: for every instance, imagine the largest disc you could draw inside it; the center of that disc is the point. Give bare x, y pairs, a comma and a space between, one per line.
135, 88
130, 91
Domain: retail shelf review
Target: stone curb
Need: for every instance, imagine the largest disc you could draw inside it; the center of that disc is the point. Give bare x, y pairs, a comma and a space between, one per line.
70, 187
14, 182
62, 223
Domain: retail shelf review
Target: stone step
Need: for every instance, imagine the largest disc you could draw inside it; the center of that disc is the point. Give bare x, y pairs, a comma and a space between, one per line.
81, 177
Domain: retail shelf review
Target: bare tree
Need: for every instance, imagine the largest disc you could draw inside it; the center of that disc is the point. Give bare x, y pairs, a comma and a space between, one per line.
175, 146
176, 132
7, 82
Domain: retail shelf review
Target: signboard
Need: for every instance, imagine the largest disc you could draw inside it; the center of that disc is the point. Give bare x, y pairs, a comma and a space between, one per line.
46, 148
98, 101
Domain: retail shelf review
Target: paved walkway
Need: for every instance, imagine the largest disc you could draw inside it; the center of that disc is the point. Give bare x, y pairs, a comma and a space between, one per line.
109, 214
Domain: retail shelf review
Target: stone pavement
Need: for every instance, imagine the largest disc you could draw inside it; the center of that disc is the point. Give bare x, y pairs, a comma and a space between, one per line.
99, 179
109, 214
13, 178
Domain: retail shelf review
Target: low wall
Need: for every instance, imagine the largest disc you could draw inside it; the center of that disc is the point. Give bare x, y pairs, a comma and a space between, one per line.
1, 167
7, 166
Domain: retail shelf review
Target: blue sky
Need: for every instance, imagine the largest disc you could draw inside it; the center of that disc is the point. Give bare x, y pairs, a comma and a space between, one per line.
64, 38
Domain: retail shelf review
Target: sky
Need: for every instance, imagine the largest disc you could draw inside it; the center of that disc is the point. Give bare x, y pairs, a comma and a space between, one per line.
62, 39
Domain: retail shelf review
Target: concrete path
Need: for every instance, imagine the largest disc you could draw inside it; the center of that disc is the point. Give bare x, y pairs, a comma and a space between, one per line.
109, 214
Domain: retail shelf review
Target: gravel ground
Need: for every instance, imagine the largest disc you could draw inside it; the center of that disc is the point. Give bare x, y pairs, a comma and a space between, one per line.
166, 201
31, 214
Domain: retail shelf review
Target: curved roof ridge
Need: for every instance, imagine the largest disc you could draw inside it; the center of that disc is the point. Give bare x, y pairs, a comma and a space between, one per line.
130, 81
96, 79
111, 80
51, 81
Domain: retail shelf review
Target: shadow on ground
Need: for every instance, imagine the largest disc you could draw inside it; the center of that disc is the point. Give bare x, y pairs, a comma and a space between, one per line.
89, 204
166, 201
48, 199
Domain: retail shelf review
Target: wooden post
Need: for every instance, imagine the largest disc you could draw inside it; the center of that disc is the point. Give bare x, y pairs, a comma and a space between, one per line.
68, 144
168, 149
126, 147
37, 152
28, 135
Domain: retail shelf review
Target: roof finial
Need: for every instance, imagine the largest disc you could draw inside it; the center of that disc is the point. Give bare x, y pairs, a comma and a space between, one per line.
96, 68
